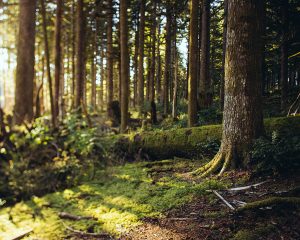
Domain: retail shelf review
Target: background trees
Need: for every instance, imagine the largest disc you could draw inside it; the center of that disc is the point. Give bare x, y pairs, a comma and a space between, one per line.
171, 47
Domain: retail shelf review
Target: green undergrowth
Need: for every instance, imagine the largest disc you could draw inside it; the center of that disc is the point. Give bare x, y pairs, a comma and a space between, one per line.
118, 199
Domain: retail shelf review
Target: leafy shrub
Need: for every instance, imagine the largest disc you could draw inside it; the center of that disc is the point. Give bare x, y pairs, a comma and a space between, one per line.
39, 161
277, 155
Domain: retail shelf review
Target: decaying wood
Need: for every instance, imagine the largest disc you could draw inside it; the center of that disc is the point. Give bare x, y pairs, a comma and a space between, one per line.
85, 234
246, 187
289, 201
65, 215
223, 199
21, 235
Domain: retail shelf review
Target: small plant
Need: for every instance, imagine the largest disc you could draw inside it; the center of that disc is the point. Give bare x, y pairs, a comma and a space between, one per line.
277, 155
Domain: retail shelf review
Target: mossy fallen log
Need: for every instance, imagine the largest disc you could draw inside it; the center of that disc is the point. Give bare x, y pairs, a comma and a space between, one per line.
191, 142
272, 201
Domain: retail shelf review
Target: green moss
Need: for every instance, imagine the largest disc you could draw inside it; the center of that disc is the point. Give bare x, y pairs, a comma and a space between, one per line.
259, 233
118, 198
189, 142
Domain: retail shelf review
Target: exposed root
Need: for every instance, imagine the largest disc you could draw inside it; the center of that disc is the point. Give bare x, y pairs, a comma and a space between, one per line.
222, 161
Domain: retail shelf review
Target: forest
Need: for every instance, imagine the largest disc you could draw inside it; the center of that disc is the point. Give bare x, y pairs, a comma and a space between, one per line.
150, 119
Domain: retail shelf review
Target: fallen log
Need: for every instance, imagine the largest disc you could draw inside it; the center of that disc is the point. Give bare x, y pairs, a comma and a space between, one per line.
288, 201
22, 235
65, 215
85, 234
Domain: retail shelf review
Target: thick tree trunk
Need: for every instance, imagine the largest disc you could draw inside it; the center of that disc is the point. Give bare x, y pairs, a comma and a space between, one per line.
223, 55
159, 72
141, 81
47, 54
109, 54
167, 70
23, 109
124, 64
284, 54
58, 55
193, 55
135, 81
205, 80
242, 121
80, 55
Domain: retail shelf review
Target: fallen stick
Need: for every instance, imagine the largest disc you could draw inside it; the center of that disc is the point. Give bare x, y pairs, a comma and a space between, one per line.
84, 234
21, 235
182, 219
65, 215
223, 199
246, 187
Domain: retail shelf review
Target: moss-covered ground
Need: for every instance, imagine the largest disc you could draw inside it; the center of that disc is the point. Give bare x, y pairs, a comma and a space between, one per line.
118, 198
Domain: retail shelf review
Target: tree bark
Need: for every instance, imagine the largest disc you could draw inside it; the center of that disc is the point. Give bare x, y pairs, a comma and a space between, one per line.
80, 55
47, 54
58, 56
166, 82
242, 121
284, 54
193, 55
124, 64
109, 54
205, 80
141, 80
223, 55
23, 109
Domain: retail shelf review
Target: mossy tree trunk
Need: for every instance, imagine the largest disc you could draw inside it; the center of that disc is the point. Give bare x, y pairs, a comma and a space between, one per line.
243, 120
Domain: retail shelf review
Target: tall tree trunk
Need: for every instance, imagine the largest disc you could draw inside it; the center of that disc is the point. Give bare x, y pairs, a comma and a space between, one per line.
159, 73
141, 81
80, 54
136, 49
167, 70
175, 87
109, 54
101, 93
223, 55
23, 109
284, 54
242, 122
205, 80
193, 55
124, 64
58, 55
47, 54
93, 73
73, 54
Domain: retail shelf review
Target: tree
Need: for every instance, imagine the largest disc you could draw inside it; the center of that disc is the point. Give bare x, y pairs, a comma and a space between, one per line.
23, 109
109, 54
80, 56
284, 53
124, 64
141, 81
193, 55
167, 70
206, 94
242, 121
58, 54
47, 54
223, 56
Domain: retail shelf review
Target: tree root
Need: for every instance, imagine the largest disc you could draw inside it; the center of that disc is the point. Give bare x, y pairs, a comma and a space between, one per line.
221, 162
287, 201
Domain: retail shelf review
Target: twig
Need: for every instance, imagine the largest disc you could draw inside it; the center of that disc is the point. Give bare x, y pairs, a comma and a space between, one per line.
246, 187
223, 199
65, 215
21, 235
182, 219
294, 103
83, 234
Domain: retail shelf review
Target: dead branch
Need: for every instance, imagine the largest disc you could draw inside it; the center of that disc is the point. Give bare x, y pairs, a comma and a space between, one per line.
85, 234
223, 199
291, 107
23, 234
65, 215
246, 187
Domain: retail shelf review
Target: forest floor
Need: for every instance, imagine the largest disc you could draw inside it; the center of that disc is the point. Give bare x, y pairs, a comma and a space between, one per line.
155, 200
